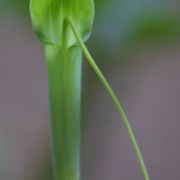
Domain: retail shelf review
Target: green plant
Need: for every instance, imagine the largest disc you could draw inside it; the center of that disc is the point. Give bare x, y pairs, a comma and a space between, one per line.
63, 26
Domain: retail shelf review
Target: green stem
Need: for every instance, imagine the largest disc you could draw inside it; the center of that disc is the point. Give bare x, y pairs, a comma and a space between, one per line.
114, 98
64, 79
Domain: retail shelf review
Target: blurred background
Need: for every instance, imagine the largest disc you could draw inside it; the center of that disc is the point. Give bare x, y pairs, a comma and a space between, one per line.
137, 45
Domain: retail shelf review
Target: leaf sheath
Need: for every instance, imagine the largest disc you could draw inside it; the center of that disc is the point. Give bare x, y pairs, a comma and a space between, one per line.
64, 81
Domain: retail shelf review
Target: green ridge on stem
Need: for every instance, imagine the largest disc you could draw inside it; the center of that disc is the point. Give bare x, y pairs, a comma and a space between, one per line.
114, 98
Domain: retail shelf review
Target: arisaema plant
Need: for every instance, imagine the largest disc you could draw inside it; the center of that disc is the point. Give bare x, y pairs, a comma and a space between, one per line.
63, 26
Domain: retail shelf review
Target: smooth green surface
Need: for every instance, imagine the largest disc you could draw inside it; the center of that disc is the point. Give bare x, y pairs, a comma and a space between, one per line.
114, 98
64, 76
48, 20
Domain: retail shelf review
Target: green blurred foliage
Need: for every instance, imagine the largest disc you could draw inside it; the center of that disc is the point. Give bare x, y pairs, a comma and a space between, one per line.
15, 6
158, 26
120, 24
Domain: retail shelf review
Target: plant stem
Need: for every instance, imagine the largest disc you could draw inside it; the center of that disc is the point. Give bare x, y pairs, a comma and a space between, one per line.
114, 98
64, 82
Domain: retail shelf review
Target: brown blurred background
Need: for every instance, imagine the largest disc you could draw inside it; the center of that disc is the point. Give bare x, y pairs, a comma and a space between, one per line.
137, 45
